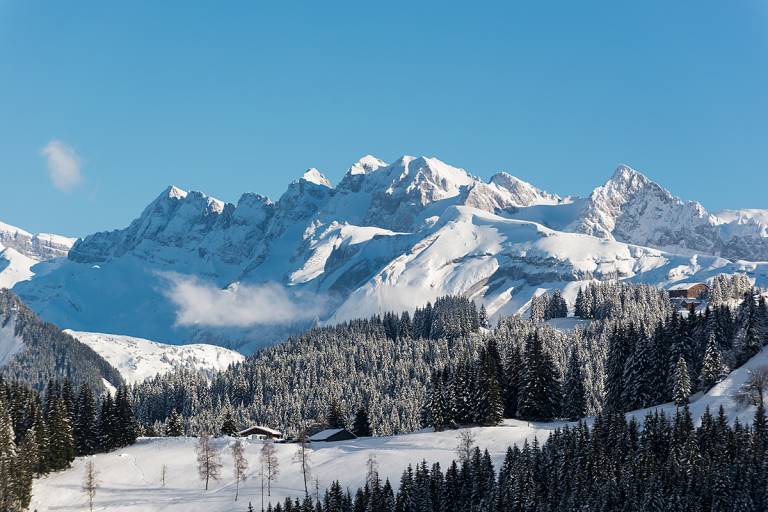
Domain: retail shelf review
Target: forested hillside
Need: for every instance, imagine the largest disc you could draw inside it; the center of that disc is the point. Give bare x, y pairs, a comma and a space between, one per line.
440, 368
36, 352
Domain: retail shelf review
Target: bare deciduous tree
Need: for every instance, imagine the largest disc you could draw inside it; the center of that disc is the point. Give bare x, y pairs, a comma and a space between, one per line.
465, 445
90, 483
303, 457
269, 463
163, 471
208, 459
753, 391
240, 465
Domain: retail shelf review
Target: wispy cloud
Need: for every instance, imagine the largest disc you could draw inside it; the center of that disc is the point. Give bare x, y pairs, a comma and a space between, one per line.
201, 303
64, 165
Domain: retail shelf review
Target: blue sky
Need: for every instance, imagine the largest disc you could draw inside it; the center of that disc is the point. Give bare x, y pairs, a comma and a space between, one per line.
229, 97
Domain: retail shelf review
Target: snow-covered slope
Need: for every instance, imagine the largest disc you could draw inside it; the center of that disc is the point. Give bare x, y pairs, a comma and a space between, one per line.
388, 236
20, 251
130, 477
138, 359
14, 267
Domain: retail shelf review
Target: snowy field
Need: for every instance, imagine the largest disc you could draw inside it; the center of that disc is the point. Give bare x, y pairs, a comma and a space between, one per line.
130, 478
138, 359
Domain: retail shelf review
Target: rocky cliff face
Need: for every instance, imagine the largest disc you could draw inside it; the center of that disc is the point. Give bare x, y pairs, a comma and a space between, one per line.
40, 246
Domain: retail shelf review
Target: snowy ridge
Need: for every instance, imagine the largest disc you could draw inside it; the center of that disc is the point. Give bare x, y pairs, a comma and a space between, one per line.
138, 359
388, 236
21, 250
39, 246
131, 475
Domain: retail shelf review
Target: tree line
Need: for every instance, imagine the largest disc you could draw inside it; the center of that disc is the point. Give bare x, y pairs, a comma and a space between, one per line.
658, 464
41, 433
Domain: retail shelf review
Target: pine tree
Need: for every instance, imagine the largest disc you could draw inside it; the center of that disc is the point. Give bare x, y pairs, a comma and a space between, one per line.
61, 445
126, 427
86, 427
175, 427
228, 427
713, 370
618, 353
512, 378
335, 417
25, 465
682, 389
575, 401
7, 460
362, 425
540, 393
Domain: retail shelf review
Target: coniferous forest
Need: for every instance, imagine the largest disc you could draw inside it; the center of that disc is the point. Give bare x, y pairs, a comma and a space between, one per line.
41, 433
444, 366
665, 464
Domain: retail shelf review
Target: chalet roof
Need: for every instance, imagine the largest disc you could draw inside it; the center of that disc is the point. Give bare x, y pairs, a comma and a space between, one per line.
685, 286
262, 428
325, 434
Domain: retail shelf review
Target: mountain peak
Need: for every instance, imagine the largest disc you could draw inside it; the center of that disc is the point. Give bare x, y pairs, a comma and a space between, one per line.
366, 164
626, 174
312, 175
174, 192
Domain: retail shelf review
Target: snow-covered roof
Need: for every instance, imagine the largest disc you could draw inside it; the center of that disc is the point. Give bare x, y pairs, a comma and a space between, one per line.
263, 428
685, 286
325, 434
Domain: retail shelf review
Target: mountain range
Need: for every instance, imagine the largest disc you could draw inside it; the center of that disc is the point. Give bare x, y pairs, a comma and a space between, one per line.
388, 236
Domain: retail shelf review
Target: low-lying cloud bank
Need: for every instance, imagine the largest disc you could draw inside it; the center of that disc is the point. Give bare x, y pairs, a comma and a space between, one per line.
204, 304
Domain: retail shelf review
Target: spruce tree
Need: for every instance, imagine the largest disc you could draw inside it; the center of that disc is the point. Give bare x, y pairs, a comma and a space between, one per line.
574, 394
713, 370
175, 426
86, 426
362, 424
540, 393
618, 353
7, 460
682, 389
335, 418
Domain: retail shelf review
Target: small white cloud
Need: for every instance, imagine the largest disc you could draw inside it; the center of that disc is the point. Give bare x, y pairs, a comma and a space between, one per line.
63, 165
200, 303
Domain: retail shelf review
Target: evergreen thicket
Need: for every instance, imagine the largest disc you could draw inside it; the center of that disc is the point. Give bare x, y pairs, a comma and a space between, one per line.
441, 367
44, 433
49, 353
615, 465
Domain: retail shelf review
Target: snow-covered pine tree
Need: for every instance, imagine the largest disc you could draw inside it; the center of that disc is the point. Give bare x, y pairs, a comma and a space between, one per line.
86, 425
682, 389
713, 370
8, 499
558, 307
540, 393
618, 353
175, 425
574, 394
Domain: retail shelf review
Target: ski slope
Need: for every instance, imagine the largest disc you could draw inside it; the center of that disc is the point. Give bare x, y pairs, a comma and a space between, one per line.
130, 478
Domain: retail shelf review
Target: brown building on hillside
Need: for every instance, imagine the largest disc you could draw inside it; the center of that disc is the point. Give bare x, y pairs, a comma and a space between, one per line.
688, 291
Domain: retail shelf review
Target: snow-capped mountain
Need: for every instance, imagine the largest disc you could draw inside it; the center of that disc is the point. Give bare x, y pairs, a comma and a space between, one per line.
632, 208
387, 237
138, 359
20, 251
39, 246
